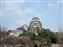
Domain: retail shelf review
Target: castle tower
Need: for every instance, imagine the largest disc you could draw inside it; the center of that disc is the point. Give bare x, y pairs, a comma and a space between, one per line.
35, 23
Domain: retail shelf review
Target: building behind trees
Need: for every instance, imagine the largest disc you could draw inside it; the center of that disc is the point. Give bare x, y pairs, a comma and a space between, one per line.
34, 24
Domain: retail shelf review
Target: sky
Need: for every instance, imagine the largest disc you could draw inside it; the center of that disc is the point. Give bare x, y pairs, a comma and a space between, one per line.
15, 13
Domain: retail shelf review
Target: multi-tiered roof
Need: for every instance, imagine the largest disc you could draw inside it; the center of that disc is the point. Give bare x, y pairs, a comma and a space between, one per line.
35, 23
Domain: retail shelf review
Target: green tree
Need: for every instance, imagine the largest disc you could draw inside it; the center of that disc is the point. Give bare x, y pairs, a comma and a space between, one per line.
48, 34
31, 35
37, 29
43, 33
52, 37
24, 33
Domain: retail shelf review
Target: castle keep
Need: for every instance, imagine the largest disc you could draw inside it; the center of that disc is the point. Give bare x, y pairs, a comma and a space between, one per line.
35, 23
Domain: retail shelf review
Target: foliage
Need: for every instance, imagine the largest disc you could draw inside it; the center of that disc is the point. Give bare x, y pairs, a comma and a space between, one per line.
37, 29
24, 33
31, 35
47, 34
21, 35
9, 30
43, 34
44, 43
62, 40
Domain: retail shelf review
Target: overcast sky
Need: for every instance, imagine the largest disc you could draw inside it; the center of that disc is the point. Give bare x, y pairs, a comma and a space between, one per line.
17, 13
